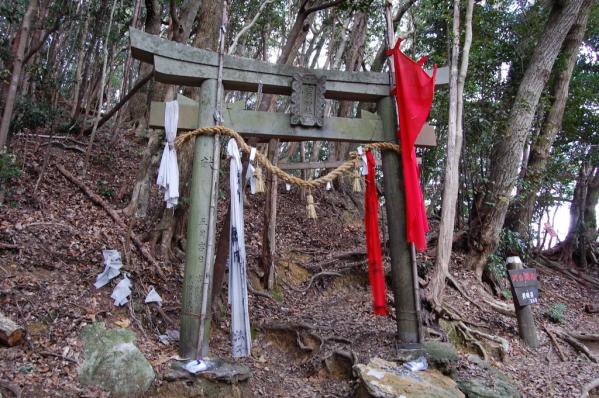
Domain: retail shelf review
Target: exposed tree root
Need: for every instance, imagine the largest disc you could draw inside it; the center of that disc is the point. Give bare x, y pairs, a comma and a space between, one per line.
585, 337
468, 338
113, 214
588, 387
576, 344
260, 293
571, 273
505, 345
16, 390
498, 306
312, 279
555, 344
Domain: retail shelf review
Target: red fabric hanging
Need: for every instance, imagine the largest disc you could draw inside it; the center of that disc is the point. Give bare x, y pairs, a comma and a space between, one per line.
376, 273
414, 89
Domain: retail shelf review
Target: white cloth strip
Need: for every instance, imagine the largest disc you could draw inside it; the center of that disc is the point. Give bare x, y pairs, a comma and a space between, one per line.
249, 174
241, 339
168, 172
364, 161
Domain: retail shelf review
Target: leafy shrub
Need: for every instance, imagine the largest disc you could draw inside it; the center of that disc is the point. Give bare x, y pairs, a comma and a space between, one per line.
29, 115
556, 312
104, 189
8, 170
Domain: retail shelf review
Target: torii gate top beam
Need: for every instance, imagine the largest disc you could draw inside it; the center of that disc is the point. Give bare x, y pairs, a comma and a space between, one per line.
176, 63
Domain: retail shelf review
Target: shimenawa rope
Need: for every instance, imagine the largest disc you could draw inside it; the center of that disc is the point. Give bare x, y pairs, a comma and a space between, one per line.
344, 168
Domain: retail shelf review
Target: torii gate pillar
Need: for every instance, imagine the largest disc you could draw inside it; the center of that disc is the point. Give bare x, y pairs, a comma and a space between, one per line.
408, 328
201, 227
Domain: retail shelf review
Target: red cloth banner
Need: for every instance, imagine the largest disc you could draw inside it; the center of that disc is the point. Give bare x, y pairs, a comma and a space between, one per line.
376, 273
414, 90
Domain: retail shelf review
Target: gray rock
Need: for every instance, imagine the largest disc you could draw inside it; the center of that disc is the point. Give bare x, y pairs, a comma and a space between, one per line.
218, 370
493, 384
495, 388
113, 362
441, 355
383, 379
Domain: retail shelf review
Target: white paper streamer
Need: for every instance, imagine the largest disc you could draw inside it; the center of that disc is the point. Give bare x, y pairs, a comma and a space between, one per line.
168, 173
241, 340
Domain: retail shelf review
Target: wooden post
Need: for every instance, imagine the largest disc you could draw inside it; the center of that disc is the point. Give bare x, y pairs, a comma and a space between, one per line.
401, 263
199, 259
526, 320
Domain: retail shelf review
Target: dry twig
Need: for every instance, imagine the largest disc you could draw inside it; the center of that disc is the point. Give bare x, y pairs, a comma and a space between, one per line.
113, 214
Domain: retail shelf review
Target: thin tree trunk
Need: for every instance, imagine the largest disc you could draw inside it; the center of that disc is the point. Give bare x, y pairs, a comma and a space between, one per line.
101, 89
247, 26
126, 70
486, 227
523, 210
79, 67
11, 96
296, 35
454, 148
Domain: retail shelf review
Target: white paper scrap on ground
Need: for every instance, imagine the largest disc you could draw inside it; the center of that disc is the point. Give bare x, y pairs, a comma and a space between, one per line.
112, 267
168, 172
287, 187
121, 291
328, 186
241, 340
153, 296
195, 366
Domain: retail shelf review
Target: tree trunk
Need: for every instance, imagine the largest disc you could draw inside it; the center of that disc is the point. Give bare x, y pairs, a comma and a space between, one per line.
583, 229
101, 91
11, 96
79, 68
126, 70
486, 227
454, 148
270, 220
522, 209
294, 39
173, 224
138, 105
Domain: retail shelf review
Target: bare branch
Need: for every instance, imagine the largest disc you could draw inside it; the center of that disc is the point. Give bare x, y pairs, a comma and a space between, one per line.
323, 6
247, 26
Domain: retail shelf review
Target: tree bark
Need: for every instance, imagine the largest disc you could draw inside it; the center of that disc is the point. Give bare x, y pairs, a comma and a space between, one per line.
485, 228
101, 90
11, 96
138, 106
522, 209
80, 59
454, 148
583, 228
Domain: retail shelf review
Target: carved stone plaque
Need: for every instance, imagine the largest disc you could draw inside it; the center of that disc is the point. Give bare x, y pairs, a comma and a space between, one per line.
307, 100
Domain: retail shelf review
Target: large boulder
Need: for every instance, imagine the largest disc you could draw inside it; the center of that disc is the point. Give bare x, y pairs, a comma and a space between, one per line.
113, 362
384, 379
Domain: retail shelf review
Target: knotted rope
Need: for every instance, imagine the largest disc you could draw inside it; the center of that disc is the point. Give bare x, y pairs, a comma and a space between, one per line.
344, 168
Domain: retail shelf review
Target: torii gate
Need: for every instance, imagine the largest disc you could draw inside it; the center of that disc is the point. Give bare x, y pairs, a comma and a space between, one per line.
175, 63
